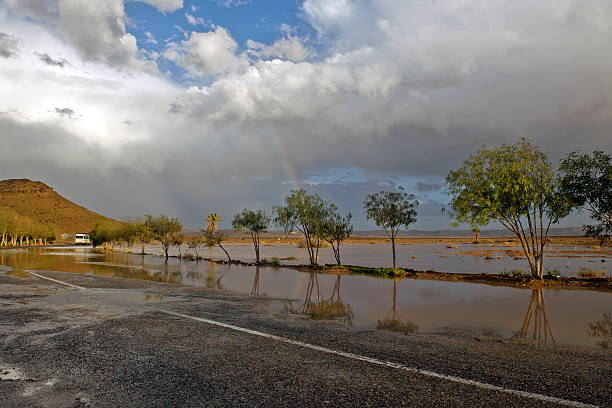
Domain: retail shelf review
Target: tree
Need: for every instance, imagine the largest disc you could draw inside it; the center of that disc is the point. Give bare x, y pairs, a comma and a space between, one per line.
586, 182
142, 233
476, 231
306, 213
514, 185
255, 222
163, 229
212, 220
210, 240
390, 211
211, 236
100, 234
336, 229
178, 240
127, 233
196, 243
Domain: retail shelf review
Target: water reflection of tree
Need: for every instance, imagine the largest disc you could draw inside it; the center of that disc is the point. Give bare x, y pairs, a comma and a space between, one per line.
602, 329
213, 281
310, 301
333, 308
255, 289
168, 276
392, 320
536, 312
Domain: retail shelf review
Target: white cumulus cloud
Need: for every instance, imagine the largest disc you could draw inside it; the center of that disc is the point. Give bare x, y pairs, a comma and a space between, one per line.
203, 53
95, 28
289, 47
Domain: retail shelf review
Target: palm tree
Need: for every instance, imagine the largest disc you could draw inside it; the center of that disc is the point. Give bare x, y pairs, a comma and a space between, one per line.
212, 220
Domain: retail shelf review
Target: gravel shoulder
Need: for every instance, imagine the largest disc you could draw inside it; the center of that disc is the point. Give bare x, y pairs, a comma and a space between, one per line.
109, 345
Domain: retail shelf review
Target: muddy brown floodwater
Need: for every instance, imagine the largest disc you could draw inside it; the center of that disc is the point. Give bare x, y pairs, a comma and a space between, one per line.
541, 315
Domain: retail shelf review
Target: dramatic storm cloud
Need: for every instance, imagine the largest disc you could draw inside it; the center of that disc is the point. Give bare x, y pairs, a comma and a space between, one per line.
215, 112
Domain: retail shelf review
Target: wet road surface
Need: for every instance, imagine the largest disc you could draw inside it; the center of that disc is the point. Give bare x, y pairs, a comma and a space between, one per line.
109, 344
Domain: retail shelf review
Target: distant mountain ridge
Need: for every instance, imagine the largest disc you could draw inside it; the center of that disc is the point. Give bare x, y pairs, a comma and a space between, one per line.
38, 201
459, 233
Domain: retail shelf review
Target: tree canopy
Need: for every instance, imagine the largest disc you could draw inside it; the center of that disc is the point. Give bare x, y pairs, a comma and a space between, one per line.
586, 182
163, 229
255, 222
514, 185
391, 210
307, 213
336, 229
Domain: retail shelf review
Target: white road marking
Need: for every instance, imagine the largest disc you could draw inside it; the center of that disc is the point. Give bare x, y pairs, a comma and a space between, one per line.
375, 361
55, 280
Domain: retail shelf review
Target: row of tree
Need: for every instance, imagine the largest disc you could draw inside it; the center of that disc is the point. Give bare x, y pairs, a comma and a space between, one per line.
514, 185
19, 230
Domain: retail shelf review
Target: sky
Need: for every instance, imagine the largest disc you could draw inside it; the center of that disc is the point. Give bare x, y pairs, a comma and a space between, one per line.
187, 107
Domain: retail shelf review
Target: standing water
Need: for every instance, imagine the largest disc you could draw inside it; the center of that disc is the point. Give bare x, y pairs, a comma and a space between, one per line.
561, 316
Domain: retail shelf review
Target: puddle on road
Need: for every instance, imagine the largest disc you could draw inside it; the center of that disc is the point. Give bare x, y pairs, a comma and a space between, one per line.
560, 316
11, 374
18, 273
154, 298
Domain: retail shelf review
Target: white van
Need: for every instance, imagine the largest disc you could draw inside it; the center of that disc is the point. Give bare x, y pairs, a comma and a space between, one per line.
82, 239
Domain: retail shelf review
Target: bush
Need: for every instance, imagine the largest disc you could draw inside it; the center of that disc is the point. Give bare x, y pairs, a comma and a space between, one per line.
586, 273
302, 244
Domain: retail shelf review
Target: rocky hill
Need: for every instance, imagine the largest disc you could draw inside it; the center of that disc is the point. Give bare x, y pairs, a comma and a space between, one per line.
40, 202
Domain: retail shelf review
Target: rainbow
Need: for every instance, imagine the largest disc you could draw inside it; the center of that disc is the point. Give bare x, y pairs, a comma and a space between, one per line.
282, 152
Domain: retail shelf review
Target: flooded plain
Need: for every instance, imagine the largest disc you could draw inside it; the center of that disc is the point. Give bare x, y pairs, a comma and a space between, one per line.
458, 258
556, 316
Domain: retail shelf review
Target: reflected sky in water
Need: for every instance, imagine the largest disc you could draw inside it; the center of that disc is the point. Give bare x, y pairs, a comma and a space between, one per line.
404, 305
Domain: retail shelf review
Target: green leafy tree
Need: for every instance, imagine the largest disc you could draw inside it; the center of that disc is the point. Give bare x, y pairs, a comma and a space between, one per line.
142, 233
307, 213
100, 235
127, 233
163, 229
390, 211
255, 222
514, 185
586, 181
336, 229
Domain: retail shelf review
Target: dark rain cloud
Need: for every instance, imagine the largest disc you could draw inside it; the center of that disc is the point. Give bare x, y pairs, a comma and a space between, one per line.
46, 58
65, 112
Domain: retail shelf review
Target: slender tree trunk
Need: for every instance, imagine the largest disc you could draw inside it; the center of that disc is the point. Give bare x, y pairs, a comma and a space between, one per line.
255, 238
336, 249
226, 253
393, 248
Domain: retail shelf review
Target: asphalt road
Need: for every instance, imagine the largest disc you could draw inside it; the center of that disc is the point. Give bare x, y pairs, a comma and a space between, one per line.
113, 343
